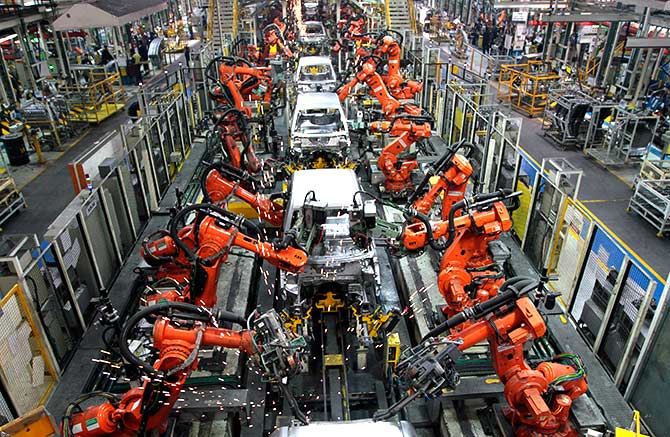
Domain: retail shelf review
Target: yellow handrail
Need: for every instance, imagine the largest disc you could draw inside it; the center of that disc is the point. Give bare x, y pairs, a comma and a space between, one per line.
210, 19
593, 62
388, 13
236, 11
412, 18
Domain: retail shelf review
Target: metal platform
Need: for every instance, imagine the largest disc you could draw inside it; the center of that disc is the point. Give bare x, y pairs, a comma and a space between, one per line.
651, 201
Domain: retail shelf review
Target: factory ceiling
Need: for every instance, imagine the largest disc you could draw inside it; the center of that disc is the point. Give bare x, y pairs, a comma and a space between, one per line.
106, 13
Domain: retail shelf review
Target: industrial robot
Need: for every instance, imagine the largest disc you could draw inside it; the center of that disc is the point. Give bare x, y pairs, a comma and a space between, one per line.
406, 130
180, 332
406, 122
538, 397
193, 254
352, 32
366, 72
468, 274
233, 81
399, 87
274, 44
231, 126
221, 181
448, 178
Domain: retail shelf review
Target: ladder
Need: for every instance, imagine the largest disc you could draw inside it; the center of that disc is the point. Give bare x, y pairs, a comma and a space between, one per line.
593, 62
398, 15
223, 18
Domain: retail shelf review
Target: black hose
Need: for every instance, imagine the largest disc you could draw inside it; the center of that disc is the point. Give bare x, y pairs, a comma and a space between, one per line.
174, 233
509, 292
293, 404
217, 118
200, 313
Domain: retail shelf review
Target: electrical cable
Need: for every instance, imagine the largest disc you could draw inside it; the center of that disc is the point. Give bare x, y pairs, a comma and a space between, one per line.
67, 430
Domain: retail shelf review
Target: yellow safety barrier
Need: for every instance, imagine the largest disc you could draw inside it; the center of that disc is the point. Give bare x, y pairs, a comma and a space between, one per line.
526, 86
620, 432
36, 423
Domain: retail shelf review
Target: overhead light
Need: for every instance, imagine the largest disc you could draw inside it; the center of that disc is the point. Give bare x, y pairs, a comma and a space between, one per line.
8, 37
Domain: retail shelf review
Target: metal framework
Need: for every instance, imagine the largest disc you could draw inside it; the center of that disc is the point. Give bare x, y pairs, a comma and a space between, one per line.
626, 136
526, 86
651, 201
565, 116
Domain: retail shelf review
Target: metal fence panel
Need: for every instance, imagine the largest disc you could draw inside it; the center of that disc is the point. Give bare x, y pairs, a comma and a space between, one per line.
625, 313
603, 264
74, 254
49, 289
524, 183
569, 249
648, 391
27, 373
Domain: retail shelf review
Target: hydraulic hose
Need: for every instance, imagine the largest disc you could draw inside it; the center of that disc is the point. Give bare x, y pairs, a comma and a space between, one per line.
174, 223
195, 312
510, 291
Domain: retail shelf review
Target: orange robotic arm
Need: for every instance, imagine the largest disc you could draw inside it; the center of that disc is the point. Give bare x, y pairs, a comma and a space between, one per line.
453, 171
273, 36
218, 188
148, 407
246, 79
399, 87
539, 399
408, 131
486, 213
526, 388
451, 185
232, 126
466, 262
367, 73
205, 245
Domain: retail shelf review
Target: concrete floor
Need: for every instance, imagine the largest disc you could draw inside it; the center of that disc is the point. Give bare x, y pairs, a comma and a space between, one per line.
51, 191
605, 193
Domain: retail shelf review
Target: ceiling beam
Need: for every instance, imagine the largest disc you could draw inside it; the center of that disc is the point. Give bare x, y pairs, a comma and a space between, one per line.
596, 17
635, 42
530, 5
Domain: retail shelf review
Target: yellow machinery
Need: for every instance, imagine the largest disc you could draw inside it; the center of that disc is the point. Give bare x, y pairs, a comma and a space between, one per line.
36, 423
526, 86
97, 95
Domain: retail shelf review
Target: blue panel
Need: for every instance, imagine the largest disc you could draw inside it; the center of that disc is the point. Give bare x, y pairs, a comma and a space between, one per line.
583, 233
609, 251
527, 168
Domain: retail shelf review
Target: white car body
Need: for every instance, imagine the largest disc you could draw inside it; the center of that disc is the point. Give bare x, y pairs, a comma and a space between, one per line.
312, 32
319, 124
315, 73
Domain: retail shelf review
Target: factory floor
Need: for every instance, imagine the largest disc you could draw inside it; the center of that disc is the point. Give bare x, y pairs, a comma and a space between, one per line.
605, 192
50, 191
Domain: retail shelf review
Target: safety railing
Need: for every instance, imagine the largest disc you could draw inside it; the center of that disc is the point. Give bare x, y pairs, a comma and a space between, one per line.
614, 299
101, 97
27, 372
526, 86
62, 276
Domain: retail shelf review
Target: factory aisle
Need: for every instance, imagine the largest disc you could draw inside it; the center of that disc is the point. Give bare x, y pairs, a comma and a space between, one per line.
51, 191
605, 195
